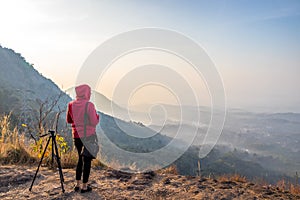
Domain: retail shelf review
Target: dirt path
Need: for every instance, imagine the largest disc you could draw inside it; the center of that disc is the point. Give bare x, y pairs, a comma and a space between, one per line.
110, 184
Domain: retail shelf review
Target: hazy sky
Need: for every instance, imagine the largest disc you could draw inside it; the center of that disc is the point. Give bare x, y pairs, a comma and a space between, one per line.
255, 44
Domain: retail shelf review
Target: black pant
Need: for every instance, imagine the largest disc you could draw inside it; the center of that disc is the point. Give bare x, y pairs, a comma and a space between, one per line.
83, 161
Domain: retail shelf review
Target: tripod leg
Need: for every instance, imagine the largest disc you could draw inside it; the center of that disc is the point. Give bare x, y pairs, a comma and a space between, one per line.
52, 156
40, 163
59, 165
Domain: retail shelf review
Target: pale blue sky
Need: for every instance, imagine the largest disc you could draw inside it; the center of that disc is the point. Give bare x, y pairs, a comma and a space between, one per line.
255, 44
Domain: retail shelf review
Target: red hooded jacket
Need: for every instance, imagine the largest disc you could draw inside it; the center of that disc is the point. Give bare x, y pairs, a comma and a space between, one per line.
75, 113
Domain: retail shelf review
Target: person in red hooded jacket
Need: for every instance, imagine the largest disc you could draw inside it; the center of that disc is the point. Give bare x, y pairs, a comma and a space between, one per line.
75, 116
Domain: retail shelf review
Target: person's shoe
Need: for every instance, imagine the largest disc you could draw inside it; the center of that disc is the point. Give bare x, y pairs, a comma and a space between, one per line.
88, 189
76, 189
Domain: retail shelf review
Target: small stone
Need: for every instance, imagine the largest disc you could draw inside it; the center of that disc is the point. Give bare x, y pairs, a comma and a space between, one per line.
167, 181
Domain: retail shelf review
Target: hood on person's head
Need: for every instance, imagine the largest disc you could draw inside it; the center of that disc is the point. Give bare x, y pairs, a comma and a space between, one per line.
83, 92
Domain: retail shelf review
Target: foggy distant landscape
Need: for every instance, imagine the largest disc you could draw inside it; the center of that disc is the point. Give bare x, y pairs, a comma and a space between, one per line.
270, 139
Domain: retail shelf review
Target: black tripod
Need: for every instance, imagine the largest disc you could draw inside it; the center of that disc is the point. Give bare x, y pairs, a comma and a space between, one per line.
52, 137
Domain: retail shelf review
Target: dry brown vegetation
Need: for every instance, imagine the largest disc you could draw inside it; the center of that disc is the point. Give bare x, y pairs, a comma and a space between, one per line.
16, 148
234, 177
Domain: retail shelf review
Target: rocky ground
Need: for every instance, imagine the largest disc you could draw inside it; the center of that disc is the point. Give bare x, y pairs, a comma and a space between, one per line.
110, 184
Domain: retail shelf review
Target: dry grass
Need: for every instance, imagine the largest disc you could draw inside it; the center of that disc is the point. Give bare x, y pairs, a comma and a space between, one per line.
283, 185
15, 148
234, 177
295, 189
12, 145
69, 159
172, 169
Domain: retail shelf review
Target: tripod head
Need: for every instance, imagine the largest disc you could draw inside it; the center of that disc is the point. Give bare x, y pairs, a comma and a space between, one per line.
50, 133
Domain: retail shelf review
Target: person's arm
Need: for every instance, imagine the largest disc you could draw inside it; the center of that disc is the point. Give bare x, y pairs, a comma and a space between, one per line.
93, 116
69, 116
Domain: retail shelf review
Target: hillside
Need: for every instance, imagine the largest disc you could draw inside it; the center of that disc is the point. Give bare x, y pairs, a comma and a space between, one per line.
112, 184
20, 80
31, 98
